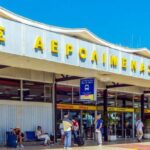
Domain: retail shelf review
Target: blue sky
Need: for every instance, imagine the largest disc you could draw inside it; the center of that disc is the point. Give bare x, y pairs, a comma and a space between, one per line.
123, 22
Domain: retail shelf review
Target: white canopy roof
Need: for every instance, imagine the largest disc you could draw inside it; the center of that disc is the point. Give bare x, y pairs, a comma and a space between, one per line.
80, 33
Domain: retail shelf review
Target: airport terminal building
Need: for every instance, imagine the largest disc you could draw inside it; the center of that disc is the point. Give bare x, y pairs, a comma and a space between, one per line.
41, 70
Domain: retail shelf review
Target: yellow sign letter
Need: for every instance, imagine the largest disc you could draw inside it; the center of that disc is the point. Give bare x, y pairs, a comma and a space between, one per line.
124, 63
39, 43
133, 65
104, 58
54, 46
69, 49
149, 69
142, 68
94, 57
2, 31
82, 53
113, 61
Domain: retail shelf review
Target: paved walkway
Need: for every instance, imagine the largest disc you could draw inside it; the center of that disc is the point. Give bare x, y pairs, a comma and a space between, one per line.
126, 146
74, 148
136, 146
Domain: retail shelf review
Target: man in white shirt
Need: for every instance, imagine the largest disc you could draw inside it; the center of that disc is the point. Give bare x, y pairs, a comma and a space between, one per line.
139, 129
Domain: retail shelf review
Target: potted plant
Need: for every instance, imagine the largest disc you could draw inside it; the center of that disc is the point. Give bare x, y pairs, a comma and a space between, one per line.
112, 121
147, 129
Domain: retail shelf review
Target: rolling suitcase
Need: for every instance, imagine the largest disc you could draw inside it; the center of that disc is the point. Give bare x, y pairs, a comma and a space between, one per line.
80, 141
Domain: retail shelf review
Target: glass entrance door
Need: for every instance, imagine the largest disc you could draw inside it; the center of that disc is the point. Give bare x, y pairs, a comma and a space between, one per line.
120, 124
128, 125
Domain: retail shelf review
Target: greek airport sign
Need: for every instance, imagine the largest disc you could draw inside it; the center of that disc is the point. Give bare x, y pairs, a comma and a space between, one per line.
88, 89
28, 41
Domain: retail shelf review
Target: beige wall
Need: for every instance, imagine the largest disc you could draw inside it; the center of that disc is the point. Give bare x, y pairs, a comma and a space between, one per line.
102, 85
26, 74
51, 67
32, 75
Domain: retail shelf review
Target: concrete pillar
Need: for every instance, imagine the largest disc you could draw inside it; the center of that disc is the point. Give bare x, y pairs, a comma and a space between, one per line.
105, 96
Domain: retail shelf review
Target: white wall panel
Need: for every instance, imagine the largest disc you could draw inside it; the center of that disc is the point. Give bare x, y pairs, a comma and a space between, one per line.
25, 116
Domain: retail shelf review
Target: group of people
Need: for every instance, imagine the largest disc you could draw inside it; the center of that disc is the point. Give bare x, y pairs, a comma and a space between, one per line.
67, 127
40, 134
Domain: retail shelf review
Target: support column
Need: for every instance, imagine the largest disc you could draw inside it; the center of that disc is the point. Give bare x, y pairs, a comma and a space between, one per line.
95, 126
21, 90
142, 107
124, 120
133, 120
105, 96
81, 124
55, 110
133, 125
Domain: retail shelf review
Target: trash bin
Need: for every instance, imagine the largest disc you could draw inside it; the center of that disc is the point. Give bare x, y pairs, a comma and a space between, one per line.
11, 139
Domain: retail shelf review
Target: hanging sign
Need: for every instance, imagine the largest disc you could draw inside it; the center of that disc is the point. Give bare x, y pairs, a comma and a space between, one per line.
117, 109
88, 89
75, 107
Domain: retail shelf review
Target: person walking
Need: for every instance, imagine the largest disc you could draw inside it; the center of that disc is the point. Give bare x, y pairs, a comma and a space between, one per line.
98, 123
139, 129
67, 124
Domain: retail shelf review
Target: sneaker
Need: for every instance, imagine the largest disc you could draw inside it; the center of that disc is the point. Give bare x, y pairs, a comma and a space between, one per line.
65, 147
21, 146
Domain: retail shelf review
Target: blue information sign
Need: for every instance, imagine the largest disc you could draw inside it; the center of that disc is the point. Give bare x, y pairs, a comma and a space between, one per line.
87, 89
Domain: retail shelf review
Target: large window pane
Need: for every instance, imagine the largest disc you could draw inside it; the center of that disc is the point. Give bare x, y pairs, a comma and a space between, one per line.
148, 102
48, 92
137, 101
100, 99
36, 91
124, 100
64, 94
112, 99
9, 89
76, 95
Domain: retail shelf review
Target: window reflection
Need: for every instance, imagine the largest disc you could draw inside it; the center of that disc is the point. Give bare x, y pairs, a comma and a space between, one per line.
112, 99
9, 89
76, 95
100, 99
36, 91
64, 94
70, 95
